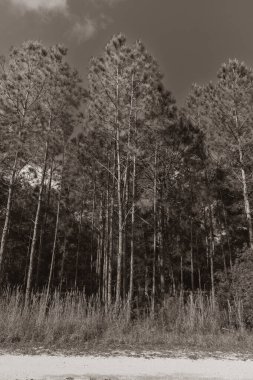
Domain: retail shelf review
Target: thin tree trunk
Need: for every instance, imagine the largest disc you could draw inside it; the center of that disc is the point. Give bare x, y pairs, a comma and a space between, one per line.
106, 245
100, 250
246, 202
103, 251
42, 229
192, 264
131, 279
191, 248
92, 227
110, 253
173, 281
146, 272
78, 245
56, 224
7, 215
227, 237
27, 255
206, 238
124, 265
200, 287
212, 268
124, 243
98, 261
105, 278
154, 237
119, 196
210, 241
63, 260
54, 250
43, 226
224, 259
212, 250
245, 189
162, 253
36, 225
181, 267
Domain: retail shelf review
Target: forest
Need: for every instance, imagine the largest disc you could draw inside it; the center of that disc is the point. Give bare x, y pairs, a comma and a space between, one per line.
114, 201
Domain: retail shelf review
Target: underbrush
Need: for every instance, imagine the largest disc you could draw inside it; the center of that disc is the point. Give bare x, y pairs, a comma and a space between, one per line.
71, 321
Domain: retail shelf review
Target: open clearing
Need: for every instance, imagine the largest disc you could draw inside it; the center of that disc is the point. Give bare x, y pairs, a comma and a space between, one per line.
60, 367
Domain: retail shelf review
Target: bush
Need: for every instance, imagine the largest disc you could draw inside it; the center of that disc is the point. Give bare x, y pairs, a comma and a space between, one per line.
242, 284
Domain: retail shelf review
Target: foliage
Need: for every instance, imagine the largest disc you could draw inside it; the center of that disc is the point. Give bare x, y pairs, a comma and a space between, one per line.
119, 194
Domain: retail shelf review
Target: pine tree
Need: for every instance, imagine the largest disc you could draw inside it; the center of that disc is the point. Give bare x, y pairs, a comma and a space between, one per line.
225, 111
62, 97
22, 86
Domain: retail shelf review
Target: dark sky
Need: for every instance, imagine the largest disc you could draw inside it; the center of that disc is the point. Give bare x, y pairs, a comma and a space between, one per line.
189, 38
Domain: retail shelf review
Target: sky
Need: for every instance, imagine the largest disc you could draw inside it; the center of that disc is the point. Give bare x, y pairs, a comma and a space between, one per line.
190, 39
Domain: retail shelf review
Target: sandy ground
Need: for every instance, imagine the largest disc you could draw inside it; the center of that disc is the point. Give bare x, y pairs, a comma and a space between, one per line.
46, 367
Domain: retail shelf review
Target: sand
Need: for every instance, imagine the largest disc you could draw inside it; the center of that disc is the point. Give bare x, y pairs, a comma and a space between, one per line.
47, 367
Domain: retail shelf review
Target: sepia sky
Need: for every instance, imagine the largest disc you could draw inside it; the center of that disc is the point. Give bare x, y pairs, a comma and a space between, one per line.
189, 38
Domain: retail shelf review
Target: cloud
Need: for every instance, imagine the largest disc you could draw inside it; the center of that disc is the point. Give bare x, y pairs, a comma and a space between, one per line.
86, 29
105, 3
112, 2
40, 5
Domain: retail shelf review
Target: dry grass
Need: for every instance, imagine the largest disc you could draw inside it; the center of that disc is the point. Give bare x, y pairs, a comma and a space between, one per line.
73, 322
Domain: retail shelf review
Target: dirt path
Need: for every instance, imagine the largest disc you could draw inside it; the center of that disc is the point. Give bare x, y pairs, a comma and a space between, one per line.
38, 367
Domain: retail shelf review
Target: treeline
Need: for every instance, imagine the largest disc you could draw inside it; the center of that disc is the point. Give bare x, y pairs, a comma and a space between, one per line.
115, 190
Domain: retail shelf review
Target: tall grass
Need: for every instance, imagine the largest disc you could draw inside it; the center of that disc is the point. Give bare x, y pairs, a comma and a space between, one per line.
73, 321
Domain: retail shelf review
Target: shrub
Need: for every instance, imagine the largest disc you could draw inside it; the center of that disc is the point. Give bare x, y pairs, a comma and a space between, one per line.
242, 284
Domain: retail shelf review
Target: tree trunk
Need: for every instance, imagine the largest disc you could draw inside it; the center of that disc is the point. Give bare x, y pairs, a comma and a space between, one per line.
53, 251
63, 260
7, 215
162, 253
200, 287
124, 247
246, 202
43, 227
119, 197
154, 238
100, 249
245, 188
173, 281
36, 226
27, 256
227, 237
131, 279
212, 250
212, 267
181, 267
56, 223
192, 264
105, 278
110, 253
92, 227
146, 272
98, 263
224, 259
107, 243
191, 248
78, 245
126, 196
206, 237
